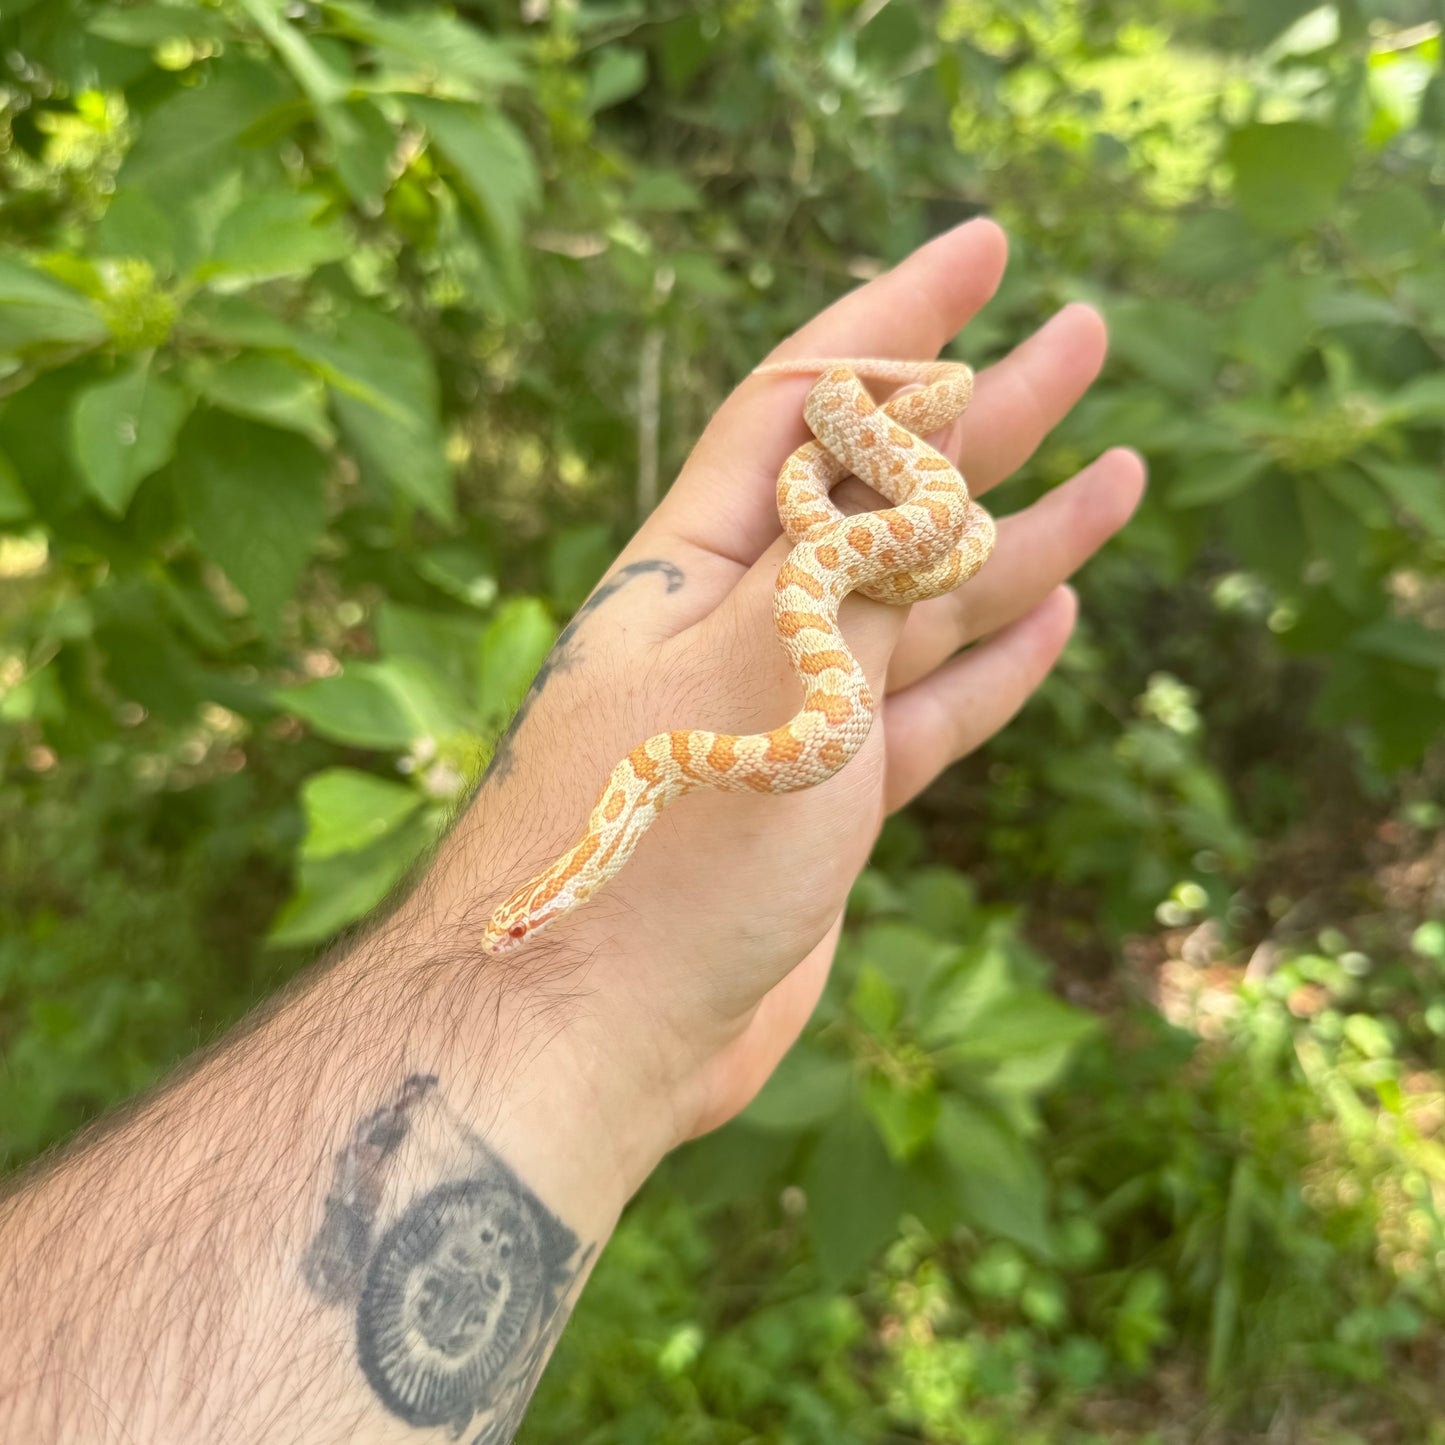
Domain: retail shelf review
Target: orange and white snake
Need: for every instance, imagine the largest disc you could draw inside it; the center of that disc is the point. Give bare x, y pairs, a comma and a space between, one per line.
929, 541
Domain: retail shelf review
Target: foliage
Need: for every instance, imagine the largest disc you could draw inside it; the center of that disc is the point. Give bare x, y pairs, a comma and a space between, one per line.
327, 336
1248, 1220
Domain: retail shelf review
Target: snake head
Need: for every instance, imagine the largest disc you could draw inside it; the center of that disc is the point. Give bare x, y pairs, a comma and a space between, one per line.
522, 915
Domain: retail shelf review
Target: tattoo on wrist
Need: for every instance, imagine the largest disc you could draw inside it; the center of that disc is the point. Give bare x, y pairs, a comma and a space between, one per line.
459, 1287
563, 656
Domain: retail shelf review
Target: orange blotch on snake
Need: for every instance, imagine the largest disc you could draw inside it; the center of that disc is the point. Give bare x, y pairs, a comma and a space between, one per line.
901, 528
723, 753
616, 802
681, 743
833, 754
790, 624
643, 764
580, 857
833, 705
860, 539
784, 746
815, 662
791, 575
828, 556
899, 437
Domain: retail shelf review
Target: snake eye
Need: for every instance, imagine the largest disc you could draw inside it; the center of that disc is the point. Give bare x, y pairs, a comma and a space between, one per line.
517, 930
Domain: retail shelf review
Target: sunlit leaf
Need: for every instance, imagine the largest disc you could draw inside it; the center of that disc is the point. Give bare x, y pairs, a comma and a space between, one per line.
347, 810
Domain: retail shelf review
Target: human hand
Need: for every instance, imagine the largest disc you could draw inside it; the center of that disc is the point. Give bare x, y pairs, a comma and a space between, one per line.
707, 953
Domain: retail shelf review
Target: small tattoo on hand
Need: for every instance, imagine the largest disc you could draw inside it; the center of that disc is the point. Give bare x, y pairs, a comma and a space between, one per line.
564, 654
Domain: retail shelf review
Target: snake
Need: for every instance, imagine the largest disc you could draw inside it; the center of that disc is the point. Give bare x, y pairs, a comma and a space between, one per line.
932, 538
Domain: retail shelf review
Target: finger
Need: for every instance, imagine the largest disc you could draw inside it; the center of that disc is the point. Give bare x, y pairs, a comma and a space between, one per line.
1036, 550
951, 712
1020, 399
725, 500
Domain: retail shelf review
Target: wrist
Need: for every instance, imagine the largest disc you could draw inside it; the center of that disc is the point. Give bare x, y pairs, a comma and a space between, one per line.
546, 1061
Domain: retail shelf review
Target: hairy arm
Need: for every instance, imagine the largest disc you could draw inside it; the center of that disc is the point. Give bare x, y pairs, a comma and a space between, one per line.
363, 1219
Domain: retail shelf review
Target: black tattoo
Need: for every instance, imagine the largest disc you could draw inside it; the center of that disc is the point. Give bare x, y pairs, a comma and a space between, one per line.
336, 1261
461, 1298
563, 656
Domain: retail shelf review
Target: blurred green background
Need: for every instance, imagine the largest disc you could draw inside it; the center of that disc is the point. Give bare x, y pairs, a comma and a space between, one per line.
342, 344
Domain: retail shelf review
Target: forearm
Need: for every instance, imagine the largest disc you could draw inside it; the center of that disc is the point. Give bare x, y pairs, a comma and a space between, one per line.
363, 1219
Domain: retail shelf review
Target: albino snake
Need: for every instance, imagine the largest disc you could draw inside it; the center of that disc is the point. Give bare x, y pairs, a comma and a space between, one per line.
932, 539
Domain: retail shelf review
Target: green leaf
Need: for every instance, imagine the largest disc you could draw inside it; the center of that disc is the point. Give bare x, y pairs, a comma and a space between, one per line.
307, 65
576, 561
875, 1002
617, 74
943, 901
387, 401
461, 570
1334, 536
148, 26
1403, 640
35, 310
135, 226
438, 43
362, 706
254, 498
123, 430
188, 137
1420, 399
1393, 224
495, 166
347, 810
365, 143
1215, 477
514, 646
998, 1185
334, 891
807, 1088
445, 643
906, 1117
268, 389
390, 704
908, 956
854, 1195
1287, 177
275, 233
664, 191
1174, 344
980, 985
1273, 328
1420, 491
1022, 1022
239, 321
